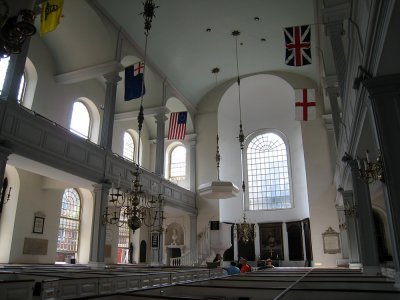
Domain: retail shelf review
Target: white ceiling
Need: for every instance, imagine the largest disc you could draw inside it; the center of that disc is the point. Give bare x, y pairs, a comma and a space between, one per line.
179, 47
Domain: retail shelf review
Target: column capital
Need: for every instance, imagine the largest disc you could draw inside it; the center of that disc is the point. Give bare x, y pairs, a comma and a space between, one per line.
112, 78
336, 13
160, 117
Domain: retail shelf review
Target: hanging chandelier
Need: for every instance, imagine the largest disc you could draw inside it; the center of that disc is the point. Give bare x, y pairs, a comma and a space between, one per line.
134, 206
14, 29
245, 231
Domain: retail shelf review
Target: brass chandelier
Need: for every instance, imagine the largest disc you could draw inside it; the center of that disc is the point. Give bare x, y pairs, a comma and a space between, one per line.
135, 206
371, 171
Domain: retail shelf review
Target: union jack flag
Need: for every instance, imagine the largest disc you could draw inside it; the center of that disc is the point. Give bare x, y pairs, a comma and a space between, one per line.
298, 45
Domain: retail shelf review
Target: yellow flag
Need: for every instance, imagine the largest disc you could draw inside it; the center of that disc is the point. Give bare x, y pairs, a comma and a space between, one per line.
50, 17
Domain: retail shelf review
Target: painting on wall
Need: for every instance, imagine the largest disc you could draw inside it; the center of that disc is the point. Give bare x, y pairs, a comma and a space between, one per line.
271, 245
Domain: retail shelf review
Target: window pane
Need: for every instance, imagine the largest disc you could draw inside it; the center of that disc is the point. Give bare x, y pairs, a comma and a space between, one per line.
80, 120
68, 231
178, 164
4, 62
268, 173
129, 147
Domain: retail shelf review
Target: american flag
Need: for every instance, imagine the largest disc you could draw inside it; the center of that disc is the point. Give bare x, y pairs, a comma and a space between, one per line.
298, 45
177, 125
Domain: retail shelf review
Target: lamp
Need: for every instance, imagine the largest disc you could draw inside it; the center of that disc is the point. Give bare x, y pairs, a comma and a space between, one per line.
134, 206
15, 29
371, 171
217, 189
245, 231
362, 74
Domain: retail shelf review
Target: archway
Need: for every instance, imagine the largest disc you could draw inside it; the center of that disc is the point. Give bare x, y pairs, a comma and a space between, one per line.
143, 248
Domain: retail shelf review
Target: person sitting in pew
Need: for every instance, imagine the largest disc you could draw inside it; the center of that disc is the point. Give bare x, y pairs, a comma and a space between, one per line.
232, 269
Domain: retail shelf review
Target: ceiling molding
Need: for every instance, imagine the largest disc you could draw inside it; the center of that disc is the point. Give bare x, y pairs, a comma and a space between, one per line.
89, 73
148, 112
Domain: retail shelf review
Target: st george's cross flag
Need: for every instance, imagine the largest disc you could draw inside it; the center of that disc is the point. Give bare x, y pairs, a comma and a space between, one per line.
305, 104
298, 45
134, 81
177, 125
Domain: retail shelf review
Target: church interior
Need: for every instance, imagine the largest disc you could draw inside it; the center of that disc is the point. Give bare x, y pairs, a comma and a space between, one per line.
140, 140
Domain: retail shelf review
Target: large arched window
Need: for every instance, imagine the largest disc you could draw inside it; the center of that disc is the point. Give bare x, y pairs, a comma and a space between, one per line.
177, 165
129, 147
267, 172
80, 120
68, 231
4, 62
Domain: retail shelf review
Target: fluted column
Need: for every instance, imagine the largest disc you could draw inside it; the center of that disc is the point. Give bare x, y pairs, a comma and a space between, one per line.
385, 101
98, 228
368, 246
332, 91
333, 19
352, 230
343, 231
193, 142
109, 110
160, 153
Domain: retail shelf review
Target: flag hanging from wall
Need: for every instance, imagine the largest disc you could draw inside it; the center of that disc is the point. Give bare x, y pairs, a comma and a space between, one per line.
298, 45
305, 104
134, 81
177, 125
50, 15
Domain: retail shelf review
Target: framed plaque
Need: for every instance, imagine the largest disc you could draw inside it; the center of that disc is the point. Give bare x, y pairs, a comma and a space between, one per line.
331, 241
38, 225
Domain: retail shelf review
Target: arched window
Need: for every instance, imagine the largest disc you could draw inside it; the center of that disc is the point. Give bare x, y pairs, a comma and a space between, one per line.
129, 147
177, 166
267, 173
123, 240
4, 62
80, 120
68, 231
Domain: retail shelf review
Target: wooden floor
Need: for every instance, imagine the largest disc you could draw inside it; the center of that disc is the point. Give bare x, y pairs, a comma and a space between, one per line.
139, 282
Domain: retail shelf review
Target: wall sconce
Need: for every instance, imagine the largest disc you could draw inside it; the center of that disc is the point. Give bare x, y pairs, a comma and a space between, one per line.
362, 75
371, 171
14, 30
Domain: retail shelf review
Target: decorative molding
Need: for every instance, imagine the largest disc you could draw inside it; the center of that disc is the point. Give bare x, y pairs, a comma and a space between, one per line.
89, 72
132, 115
336, 13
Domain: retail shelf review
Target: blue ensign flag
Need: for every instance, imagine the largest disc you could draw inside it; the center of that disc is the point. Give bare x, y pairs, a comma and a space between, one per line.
134, 81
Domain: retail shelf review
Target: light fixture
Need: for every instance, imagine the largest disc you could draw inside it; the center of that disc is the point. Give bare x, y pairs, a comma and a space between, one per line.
134, 206
362, 75
245, 231
371, 171
15, 29
217, 189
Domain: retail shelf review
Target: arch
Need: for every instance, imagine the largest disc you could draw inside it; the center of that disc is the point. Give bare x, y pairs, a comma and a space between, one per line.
128, 149
381, 236
143, 254
267, 170
94, 115
31, 79
168, 162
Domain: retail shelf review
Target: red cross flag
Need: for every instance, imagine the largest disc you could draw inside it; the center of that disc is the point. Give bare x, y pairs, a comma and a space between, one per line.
305, 104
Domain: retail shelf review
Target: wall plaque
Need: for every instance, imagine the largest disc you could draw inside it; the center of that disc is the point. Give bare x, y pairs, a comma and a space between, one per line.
35, 246
331, 241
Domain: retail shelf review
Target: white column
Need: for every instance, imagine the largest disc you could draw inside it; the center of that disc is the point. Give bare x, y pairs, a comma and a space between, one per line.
109, 110
192, 143
160, 151
98, 228
193, 237
385, 98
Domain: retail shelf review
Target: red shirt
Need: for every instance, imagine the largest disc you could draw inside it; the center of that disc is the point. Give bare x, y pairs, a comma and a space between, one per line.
245, 268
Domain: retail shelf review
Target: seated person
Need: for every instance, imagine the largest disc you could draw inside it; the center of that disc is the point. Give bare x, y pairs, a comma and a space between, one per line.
269, 263
245, 266
232, 269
